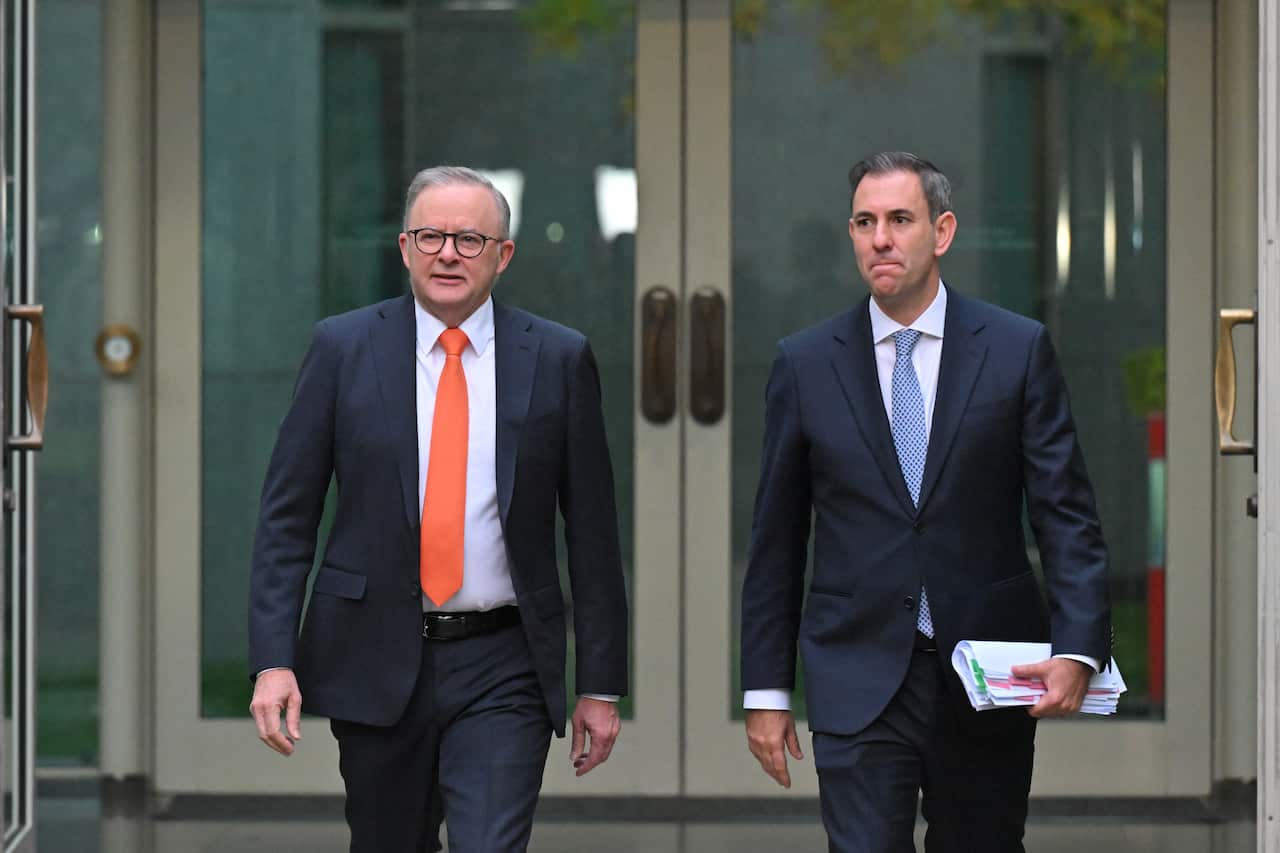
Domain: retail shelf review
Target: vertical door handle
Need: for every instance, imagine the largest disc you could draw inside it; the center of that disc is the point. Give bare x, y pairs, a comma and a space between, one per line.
706, 356
37, 377
658, 355
1224, 381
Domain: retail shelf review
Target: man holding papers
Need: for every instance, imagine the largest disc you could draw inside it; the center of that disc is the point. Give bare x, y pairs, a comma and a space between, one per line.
986, 669
911, 432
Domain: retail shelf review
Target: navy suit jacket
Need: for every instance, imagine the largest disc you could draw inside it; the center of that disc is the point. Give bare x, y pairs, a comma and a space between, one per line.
354, 418
1002, 438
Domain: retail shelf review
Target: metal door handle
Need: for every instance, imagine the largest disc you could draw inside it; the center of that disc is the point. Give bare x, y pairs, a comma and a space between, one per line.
1224, 381
37, 377
706, 356
658, 355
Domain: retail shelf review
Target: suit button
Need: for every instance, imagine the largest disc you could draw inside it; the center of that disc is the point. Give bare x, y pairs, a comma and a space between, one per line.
415, 591
908, 602
918, 527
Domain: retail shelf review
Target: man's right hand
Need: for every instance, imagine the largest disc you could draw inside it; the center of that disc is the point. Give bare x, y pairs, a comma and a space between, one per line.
274, 692
768, 732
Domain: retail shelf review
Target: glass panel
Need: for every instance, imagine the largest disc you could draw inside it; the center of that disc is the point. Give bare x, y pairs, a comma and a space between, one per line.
303, 196
1052, 130
68, 260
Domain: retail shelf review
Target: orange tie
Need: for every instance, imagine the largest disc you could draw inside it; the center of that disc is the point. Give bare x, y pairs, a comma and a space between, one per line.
444, 506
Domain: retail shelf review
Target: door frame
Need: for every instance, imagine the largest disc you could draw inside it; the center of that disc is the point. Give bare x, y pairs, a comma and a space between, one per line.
17, 538
1268, 426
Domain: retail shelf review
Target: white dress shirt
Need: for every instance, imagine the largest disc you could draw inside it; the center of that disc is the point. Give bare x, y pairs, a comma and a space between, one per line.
486, 574
926, 357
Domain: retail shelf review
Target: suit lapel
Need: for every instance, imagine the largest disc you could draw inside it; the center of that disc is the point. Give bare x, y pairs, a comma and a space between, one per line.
516, 359
963, 353
394, 342
855, 365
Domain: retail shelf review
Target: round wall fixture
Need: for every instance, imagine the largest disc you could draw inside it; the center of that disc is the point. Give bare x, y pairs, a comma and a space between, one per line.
118, 347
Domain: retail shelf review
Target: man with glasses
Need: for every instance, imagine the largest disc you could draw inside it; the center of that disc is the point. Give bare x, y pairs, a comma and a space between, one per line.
434, 639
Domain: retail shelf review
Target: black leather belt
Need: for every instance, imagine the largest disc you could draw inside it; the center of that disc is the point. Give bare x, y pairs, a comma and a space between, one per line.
438, 625
925, 644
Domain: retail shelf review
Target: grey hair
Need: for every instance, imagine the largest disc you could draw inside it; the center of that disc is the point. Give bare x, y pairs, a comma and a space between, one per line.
937, 189
446, 176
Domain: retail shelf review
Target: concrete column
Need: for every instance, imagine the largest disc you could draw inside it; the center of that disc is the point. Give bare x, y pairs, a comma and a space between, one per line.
124, 648
1269, 425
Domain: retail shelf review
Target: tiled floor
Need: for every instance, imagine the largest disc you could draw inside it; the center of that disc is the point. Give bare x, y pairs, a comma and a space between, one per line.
76, 825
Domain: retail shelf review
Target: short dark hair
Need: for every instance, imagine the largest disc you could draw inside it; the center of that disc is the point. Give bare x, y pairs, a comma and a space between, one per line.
937, 189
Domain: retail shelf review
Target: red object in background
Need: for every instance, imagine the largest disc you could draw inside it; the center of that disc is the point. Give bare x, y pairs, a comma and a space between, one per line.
1155, 633
1155, 566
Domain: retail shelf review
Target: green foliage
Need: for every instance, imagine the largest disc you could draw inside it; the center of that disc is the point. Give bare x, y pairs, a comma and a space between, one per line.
748, 17
1144, 381
1124, 38
561, 26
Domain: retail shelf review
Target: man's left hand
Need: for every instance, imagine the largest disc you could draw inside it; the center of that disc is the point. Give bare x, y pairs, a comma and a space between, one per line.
1066, 680
595, 727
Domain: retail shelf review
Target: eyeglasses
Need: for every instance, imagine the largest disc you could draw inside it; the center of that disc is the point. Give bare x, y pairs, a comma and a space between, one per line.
468, 244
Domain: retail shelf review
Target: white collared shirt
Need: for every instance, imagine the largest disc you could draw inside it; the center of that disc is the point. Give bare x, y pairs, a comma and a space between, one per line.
926, 357
486, 574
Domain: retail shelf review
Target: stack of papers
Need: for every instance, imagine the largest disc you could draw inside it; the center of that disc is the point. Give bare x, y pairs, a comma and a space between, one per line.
986, 670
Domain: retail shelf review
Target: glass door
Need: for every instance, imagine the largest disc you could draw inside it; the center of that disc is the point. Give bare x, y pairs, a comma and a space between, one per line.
287, 133
1069, 140
677, 174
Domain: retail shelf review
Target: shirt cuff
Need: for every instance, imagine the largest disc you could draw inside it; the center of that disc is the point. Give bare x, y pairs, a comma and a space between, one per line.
271, 669
771, 699
603, 697
1084, 659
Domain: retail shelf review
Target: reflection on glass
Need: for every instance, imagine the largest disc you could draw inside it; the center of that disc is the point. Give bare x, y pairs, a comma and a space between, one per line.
616, 201
1109, 231
303, 196
1136, 234
1047, 124
1063, 236
510, 182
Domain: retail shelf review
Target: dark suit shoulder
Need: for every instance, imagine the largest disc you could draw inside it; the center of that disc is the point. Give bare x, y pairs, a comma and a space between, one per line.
817, 339
359, 319
1001, 321
549, 331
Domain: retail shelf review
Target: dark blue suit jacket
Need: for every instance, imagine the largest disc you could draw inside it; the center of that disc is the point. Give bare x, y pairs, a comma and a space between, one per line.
354, 418
1002, 437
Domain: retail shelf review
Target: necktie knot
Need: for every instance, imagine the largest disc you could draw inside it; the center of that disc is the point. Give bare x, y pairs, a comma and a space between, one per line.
454, 341
904, 341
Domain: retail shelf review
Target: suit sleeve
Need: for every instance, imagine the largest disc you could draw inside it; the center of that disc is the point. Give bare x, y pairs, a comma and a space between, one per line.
773, 590
588, 505
293, 496
1063, 512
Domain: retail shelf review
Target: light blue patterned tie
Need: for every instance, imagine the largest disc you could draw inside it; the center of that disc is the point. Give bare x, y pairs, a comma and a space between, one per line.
910, 437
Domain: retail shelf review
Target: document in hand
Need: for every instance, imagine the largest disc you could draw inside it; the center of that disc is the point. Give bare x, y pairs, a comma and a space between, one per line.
986, 670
